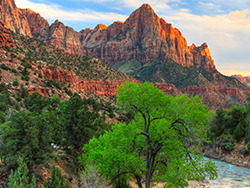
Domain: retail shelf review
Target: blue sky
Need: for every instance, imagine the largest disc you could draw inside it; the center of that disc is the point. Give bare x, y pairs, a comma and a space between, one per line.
223, 24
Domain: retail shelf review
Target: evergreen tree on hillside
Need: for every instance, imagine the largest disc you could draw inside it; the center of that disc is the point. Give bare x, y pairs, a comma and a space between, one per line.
79, 125
28, 135
19, 178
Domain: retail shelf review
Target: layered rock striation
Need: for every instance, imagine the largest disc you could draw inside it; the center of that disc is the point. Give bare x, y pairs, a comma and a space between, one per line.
13, 17
5, 37
243, 79
143, 36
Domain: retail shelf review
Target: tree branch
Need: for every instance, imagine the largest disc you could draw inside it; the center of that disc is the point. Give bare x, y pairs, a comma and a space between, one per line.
114, 178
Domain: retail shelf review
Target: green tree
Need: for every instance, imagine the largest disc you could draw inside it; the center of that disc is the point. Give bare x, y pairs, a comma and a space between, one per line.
159, 145
56, 180
20, 178
28, 135
79, 125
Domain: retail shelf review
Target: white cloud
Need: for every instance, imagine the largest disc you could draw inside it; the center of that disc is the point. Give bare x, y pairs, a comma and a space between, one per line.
54, 11
208, 5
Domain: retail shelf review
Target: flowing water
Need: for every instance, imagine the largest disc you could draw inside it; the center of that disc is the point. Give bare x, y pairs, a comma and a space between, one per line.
230, 176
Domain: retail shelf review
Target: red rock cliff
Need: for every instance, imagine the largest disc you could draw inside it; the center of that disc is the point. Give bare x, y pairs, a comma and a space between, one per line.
5, 37
143, 36
39, 27
243, 79
13, 17
65, 38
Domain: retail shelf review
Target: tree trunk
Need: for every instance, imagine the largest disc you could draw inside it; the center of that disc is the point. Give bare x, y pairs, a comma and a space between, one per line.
138, 179
147, 183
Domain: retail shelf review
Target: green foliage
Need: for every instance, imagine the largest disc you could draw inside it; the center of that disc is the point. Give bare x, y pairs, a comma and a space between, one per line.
166, 132
5, 67
121, 183
40, 75
7, 48
28, 135
229, 146
52, 83
20, 178
24, 92
79, 125
15, 82
239, 131
36, 102
224, 140
56, 180
26, 77
238, 114
248, 145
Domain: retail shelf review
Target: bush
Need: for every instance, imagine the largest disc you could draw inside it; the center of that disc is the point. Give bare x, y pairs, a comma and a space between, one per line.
91, 177
224, 140
238, 132
229, 146
15, 82
248, 145
56, 180
3, 66
40, 75
20, 178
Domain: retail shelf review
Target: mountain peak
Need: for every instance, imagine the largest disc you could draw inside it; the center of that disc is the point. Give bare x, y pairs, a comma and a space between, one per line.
146, 6
100, 27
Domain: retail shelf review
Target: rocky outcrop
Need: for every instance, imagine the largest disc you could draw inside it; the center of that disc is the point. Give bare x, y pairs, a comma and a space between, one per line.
243, 79
13, 17
101, 87
143, 36
218, 96
202, 57
65, 38
39, 27
5, 37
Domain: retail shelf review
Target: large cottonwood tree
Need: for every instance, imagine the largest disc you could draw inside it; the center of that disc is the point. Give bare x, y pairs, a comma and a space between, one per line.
161, 144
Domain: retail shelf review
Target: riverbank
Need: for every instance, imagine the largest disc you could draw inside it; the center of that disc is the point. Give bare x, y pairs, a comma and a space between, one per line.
239, 156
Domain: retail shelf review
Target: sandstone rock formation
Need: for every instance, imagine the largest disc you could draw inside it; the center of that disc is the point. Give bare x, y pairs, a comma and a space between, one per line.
243, 79
5, 37
202, 56
39, 27
101, 87
65, 38
13, 17
143, 36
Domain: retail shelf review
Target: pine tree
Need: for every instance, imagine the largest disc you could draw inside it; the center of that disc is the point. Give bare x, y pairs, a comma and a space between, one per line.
56, 180
20, 178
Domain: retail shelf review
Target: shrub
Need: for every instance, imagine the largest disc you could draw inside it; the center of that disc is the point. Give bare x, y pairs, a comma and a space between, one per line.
238, 132
229, 146
92, 177
26, 83
223, 140
56, 179
3, 66
20, 178
248, 145
15, 82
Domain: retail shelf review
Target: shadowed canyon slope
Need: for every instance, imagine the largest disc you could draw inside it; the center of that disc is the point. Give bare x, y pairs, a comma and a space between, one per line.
145, 47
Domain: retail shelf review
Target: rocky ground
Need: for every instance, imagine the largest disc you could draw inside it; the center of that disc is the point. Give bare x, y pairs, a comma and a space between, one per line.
239, 156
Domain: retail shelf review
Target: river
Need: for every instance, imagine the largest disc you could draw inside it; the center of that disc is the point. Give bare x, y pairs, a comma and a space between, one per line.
230, 176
